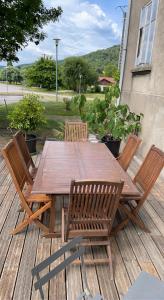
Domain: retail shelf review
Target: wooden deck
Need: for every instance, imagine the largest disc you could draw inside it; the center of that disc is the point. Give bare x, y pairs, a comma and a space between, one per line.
133, 251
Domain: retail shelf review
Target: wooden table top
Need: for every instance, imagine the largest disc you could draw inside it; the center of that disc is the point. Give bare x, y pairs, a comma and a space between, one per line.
63, 161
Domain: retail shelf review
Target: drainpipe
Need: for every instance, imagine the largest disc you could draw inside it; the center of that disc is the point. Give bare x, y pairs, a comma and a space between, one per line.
124, 50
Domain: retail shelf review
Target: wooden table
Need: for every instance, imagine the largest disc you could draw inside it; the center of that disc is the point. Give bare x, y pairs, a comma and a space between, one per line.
63, 161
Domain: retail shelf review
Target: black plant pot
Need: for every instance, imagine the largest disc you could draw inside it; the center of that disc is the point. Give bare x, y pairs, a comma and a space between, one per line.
112, 144
31, 142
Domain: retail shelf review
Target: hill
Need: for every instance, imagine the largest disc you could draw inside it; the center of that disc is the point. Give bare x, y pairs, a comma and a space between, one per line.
22, 66
100, 58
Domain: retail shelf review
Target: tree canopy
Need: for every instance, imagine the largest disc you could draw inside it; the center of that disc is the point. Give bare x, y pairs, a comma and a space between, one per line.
110, 70
11, 74
22, 22
78, 73
42, 73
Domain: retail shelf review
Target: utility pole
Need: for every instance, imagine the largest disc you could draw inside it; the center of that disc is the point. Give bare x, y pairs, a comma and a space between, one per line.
123, 33
56, 43
80, 75
7, 78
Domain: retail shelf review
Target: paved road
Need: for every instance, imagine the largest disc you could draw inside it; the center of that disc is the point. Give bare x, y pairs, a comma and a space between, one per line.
18, 90
10, 88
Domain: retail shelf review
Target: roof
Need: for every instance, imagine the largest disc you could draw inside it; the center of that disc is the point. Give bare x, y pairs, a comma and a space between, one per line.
108, 79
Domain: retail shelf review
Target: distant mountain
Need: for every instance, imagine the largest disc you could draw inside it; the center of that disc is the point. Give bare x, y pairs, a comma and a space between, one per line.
100, 58
24, 66
18, 66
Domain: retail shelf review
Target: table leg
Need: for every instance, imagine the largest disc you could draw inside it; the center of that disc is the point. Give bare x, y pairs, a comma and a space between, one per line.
52, 233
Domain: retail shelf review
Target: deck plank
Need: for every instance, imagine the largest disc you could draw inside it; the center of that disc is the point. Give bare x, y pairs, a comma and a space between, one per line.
43, 251
107, 286
139, 250
24, 279
132, 266
5, 236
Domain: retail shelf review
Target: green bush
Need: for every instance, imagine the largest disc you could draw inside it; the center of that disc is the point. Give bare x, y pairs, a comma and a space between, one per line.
79, 101
28, 114
68, 103
106, 118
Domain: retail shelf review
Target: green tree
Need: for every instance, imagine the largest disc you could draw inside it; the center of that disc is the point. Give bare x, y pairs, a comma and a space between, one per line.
22, 22
77, 74
110, 70
42, 73
1, 74
11, 74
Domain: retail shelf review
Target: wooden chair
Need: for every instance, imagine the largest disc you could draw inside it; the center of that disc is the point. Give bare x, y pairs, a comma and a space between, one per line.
76, 132
144, 181
91, 212
22, 148
129, 151
23, 186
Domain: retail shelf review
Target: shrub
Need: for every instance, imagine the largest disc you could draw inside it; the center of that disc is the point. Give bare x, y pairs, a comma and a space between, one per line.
80, 101
68, 103
28, 114
106, 118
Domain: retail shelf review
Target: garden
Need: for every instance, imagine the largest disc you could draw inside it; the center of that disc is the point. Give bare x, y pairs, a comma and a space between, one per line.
40, 120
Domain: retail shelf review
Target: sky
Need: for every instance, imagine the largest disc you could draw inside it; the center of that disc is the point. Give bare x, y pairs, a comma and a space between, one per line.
85, 26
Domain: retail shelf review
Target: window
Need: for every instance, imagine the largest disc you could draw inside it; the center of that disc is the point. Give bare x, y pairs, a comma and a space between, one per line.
146, 33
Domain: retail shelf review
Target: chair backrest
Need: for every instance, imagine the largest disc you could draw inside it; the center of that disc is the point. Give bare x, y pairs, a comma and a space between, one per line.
16, 166
150, 169
76, 132
129, 151
94, 201
21, 145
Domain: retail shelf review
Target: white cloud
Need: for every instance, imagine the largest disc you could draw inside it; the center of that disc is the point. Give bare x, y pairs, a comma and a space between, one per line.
83, 27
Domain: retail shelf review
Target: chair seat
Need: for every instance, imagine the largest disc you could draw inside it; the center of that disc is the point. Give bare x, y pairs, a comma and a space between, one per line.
35, 197
90, 229
39, 198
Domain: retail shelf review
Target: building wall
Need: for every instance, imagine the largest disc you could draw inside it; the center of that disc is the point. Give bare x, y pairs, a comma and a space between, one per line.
145, 92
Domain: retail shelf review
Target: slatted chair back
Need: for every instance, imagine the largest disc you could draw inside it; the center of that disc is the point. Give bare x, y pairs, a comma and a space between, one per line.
16, 166
129, 151
21, 145
76, 132
150, 170
94, 202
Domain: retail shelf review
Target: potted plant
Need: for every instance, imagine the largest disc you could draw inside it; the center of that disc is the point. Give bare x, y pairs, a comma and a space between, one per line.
112, 122
27, 116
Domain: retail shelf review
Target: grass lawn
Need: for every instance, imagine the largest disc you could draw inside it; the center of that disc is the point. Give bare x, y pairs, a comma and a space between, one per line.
59, 109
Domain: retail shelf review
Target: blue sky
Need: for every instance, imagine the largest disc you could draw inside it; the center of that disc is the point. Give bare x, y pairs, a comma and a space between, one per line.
85, 26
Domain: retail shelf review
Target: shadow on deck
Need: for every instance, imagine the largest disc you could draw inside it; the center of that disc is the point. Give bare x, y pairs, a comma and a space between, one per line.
133, 249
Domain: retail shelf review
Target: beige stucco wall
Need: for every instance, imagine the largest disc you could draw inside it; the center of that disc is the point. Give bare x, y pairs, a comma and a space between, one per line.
145, 93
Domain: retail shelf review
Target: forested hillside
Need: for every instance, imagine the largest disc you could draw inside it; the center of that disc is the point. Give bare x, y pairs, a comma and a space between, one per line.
100, 58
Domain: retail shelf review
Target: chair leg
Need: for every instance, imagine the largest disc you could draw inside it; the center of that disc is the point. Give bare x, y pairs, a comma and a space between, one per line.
132, 215
110, 260
33, 218
63, 226
120, 226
